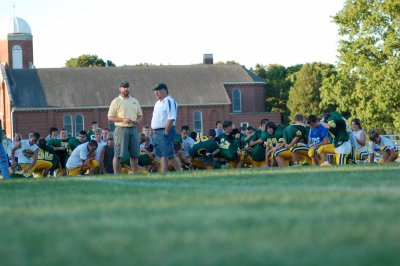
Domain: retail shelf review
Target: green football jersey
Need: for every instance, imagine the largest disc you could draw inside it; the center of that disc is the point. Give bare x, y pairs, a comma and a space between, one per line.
277, 137
90, 135
202, 146
258, 150
229, 146
126, 160
47, 154
295, 130
178, 138
62, 154
144, 159
72, 144
338, 128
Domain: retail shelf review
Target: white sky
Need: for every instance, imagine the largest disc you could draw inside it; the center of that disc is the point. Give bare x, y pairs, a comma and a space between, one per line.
179, 32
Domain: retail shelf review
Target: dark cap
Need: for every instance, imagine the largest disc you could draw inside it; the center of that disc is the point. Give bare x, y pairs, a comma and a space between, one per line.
124, 84
160, 86
226, 123
212, 132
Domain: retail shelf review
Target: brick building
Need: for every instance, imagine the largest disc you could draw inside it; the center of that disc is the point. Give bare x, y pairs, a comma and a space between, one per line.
37, 99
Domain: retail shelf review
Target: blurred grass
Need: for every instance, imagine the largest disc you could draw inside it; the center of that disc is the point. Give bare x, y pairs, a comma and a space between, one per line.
293, 216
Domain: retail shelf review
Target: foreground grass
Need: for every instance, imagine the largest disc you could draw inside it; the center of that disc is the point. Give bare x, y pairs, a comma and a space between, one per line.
296, 216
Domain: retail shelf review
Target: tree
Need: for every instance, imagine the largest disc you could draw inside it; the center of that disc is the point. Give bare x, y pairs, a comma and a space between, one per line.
367, 81
88, 61
278, 86
304, 95
232, 62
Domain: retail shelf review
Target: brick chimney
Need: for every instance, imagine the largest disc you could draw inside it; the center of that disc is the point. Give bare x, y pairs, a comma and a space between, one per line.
208, 59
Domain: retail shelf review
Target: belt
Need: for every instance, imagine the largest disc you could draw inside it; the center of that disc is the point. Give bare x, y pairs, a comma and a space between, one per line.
157, 129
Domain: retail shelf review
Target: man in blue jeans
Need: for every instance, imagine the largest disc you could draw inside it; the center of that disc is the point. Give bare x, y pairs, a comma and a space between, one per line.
163, 124
5, 172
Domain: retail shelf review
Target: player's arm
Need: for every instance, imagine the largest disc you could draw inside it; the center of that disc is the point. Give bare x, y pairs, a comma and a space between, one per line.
150, 154
391, 156
281, 144
249, 137
363, 139
254, 142
324, 141
214, 153
371, 153
292, 143
13, 162
91, 155
34, 160
326, 125
372, 157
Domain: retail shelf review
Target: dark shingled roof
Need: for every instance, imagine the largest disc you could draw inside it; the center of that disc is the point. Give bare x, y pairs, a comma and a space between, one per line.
97, 87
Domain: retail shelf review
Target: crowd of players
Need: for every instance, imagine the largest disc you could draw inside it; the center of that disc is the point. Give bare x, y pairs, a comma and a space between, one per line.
312, 141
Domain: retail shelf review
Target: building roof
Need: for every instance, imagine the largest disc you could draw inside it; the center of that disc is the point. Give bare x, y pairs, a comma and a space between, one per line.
18, 25
97, 87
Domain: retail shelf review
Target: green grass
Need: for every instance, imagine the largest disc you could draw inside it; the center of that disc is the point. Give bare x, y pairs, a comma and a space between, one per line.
293, 216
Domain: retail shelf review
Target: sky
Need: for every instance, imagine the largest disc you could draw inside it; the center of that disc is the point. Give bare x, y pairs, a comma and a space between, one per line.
179, 32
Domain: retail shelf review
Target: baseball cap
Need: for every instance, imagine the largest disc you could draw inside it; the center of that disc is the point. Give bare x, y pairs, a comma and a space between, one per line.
124, 84
160, 86
212, 132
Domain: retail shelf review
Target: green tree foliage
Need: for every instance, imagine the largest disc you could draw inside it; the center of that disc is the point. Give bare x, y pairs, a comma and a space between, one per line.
367, 83
278, 86
232, 62
87, 60
304, 96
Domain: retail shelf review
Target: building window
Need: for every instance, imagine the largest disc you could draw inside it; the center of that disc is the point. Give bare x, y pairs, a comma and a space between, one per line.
111, 127
79, 123
17, 57
198, 121
236, 101
68, 125
244, 124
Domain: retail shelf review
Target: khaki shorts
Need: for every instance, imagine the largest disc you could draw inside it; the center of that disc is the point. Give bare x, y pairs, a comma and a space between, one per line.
126, 142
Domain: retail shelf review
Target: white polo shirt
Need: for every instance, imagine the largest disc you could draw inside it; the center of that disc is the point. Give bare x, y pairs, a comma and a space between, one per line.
164, 110
78, 155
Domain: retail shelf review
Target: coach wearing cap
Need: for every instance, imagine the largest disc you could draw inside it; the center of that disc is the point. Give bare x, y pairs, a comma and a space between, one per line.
126, 113
163, 124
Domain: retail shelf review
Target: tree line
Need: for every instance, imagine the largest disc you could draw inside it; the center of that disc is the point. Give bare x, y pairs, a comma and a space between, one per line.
364, 83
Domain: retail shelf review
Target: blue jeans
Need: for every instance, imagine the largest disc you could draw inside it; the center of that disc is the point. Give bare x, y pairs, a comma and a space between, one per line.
164, 144
4, 163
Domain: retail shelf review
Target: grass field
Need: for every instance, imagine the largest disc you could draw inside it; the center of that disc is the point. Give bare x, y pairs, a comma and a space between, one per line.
293, 216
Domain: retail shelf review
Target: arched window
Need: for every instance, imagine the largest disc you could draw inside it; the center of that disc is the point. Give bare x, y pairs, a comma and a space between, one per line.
79, 122
17, 57
198, 121
67, 121
236, 101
